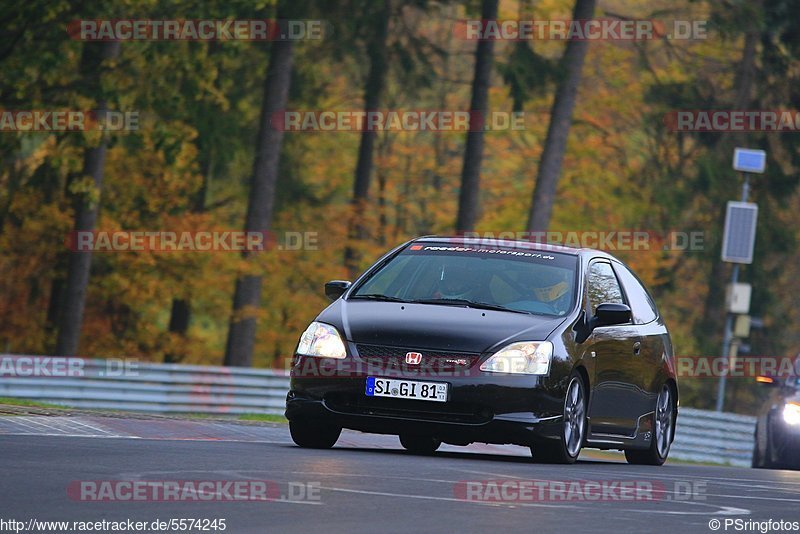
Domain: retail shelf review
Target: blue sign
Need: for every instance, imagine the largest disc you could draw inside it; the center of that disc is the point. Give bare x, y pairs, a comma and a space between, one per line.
748, 160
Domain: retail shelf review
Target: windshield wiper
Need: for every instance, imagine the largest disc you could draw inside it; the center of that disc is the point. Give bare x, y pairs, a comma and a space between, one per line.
376, 296
467, 303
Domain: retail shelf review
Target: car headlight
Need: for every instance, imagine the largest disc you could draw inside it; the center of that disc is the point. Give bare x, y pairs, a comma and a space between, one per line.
791, 413
321, 340
526, 357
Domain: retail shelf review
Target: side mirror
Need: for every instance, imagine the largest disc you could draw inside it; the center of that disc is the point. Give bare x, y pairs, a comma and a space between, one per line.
608, 314
336, 288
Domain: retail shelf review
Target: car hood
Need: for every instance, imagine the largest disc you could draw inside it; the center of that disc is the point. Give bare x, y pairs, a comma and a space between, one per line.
433, 326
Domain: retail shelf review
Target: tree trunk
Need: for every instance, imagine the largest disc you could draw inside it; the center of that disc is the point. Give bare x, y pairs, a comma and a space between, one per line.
378, 50
179, 317
86, 207
560, 121
469, 196
247, 297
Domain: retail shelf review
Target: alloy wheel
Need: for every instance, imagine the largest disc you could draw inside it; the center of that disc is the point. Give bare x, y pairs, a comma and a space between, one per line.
664, 419
574, 417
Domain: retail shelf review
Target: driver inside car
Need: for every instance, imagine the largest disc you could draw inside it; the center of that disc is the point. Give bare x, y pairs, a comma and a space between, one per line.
455, 282
552, 290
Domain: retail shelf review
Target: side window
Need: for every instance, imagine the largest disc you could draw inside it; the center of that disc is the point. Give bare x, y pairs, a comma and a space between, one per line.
603, 286
642, 306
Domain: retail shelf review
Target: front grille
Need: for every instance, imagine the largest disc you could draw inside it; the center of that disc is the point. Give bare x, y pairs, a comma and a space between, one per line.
449, 412
395, 357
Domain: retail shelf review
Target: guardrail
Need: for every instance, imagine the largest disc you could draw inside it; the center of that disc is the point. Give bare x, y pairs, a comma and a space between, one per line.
701, 436
713, 437
148, 387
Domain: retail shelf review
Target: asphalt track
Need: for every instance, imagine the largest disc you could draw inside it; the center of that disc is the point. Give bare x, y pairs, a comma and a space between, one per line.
365, 484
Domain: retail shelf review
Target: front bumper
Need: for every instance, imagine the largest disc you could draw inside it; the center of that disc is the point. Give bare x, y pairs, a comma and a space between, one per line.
481, 407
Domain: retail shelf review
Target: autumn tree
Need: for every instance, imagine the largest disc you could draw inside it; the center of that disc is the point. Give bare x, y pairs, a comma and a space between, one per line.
544, 195
377, 49
85, 190
469, 194
247, 296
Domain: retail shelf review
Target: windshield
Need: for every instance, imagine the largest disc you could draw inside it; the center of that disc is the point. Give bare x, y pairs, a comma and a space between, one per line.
513, 279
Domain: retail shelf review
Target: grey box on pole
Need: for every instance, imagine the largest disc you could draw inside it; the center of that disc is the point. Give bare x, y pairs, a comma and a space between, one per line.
739, 237
737, 298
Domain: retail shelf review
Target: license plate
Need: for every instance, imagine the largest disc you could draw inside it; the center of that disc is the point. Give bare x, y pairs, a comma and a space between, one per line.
406, 389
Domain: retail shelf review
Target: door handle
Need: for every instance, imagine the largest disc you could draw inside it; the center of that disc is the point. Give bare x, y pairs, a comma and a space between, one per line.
637, 348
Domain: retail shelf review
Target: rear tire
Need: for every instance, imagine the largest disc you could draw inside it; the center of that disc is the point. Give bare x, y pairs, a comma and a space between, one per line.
661, 440
416, 444
314, 435
567, 448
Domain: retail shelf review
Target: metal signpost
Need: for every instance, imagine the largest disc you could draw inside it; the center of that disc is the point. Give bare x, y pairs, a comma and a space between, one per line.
738, 242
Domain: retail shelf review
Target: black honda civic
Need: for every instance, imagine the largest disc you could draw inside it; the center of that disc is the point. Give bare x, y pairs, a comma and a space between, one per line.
458, 340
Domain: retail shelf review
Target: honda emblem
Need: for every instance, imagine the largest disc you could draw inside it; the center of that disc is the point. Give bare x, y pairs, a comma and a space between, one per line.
413, 358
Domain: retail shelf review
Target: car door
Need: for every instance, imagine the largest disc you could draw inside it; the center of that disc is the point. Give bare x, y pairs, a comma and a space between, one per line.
648, 359
611, 407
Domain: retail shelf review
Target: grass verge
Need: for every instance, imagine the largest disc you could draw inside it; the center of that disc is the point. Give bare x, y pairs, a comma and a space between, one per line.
264, 417
13, 401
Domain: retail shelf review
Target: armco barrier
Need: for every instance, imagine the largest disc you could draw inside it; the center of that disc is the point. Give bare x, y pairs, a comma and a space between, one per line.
701, 436
714, 437
151, 387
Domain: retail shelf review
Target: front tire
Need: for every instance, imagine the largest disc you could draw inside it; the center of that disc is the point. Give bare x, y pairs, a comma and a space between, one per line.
661, 441
567, 448
755, 462
314, 435
416, 444
766, 460
760, 461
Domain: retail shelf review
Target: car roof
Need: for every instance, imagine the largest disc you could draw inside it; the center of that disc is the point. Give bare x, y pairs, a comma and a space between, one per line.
585, 253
